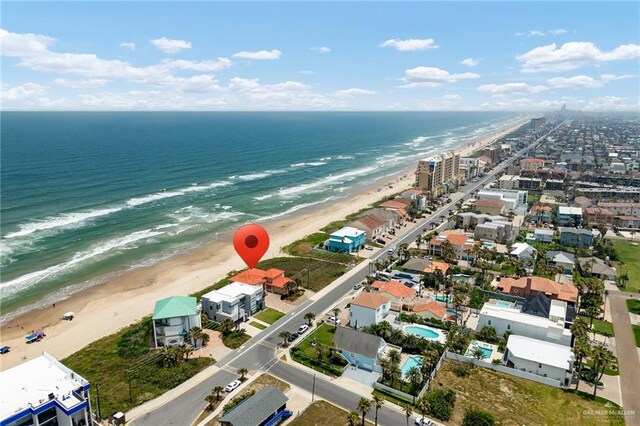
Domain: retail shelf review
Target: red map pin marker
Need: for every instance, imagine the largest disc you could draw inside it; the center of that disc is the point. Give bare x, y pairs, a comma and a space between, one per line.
251, 243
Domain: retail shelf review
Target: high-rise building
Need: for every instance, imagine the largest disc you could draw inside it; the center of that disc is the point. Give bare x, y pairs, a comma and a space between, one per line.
437, 174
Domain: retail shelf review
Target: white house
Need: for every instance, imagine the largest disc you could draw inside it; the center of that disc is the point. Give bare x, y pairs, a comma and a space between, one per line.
512, 319
539, 357
361, 349
523, 251
235, 301
512, 199
42, 391
173, 318
368, 309
541, 235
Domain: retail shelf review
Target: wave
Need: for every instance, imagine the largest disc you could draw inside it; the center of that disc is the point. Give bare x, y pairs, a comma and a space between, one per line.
345, 157
294, 209
310, 163
327, 180
33, 278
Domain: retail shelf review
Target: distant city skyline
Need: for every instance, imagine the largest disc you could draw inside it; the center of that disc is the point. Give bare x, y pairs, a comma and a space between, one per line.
529, 56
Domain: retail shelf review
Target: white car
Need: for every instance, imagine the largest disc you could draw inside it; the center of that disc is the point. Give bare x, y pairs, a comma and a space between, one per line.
232, 386
303, 328
334, 321
424, 422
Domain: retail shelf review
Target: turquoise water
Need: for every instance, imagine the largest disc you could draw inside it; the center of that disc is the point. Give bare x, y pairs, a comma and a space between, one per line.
452, 312
441, 298
486, 352
422, 332
412, 361
503, 304
85, 195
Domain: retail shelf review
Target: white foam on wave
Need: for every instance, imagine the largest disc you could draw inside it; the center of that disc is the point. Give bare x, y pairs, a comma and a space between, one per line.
294, 209
350, 175
79, 258
316, 163
345, 157
263, 197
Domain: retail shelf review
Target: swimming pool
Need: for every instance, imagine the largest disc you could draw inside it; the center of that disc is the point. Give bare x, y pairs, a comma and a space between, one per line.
412, 361
424, 331
441, 298
503, 304
486, 352
452, 312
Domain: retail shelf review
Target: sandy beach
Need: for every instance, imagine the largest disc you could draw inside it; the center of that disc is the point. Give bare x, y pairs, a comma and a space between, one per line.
106, 308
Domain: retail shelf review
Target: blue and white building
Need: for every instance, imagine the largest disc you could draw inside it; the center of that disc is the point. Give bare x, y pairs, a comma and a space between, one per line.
360, 349
346, 240
43, 392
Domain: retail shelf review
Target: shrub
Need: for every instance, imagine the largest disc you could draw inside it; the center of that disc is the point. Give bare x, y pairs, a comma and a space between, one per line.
461, 369
476, 417
237, 400
441, 403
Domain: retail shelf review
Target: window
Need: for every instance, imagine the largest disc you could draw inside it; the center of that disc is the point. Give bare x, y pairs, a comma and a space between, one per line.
489, 322
508, 326
539, 365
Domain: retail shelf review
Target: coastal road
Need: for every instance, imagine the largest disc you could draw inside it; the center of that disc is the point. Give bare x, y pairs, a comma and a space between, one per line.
259, 352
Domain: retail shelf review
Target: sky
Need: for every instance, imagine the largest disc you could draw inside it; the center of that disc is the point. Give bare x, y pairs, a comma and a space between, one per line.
515, 56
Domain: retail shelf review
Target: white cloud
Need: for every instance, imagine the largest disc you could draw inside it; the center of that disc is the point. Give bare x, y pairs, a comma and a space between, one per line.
201, 66
451, 97
23, 91
128, 45
321, 49
538, 33
612, 77
259, 55
306, 72
572, 55
433, 77
470, 62
81, 84
578, 81
511, 87
558, 31
410, 44
168, 45
21, 45
349, 93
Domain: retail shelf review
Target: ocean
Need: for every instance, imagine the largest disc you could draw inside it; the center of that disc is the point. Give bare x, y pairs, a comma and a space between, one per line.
88, 194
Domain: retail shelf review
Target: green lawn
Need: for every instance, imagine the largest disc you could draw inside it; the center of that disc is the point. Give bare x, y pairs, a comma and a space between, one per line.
269, 315
628, 254
321, 272
636, 333
321, 413
600, 326
105, 363
515, 401
305, 352
258, 325
633, 305
235, 339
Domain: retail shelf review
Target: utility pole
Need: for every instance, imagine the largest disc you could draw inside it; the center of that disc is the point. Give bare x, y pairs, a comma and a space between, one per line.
313, 388
308, 278
98, 401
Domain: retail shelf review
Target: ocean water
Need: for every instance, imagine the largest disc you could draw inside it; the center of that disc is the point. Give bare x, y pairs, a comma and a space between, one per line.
87, 194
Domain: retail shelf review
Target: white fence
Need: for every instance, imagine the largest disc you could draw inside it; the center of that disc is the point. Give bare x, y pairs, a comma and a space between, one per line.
507, 370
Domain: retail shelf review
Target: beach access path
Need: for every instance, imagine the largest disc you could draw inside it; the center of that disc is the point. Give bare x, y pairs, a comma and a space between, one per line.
259, 352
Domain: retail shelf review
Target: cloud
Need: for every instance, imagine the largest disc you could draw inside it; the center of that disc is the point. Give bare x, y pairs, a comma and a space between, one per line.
612, 77
321, 49
578, 81
285, 96
168, 45
21, 45
470, 62
349, 93
572, 55
128, 45
511, 87
410, 44
433, 77
259, 55
306, 72
23, 91
81, 84
201, 66
538, 33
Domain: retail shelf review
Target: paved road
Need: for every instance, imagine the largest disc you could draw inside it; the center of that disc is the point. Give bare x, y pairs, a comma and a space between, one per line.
259, 352
627, 352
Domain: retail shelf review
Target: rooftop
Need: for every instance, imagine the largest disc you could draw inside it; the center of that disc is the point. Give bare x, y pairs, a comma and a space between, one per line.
176, 306
431, 306
231, 291
348, 232
516, 315
357, 342
570, 210
256, 408
394, 288
539, 351
370, 300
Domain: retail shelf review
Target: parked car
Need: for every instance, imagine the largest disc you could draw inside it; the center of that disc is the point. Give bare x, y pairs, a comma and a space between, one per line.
303, 328
357, 286
5, 349
232, 386
334, 321
293, 337
380, 241
424, 422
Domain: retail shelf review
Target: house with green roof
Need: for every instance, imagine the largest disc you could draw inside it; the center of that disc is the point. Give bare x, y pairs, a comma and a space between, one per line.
173, 317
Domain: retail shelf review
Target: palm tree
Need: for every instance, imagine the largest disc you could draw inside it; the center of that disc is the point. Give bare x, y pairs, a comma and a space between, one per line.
195, 334
394, 356
364, 405
602, 358
408, 411
579, 328
336, 312
378, 402
242, 372
423, 407
414, 376
205, 339
319, 351
226, 326
353, 418
309, 316
210, 399
284, 336
581, 349
217, 391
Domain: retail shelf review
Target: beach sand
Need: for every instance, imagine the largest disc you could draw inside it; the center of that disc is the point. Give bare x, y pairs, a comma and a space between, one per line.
106, 308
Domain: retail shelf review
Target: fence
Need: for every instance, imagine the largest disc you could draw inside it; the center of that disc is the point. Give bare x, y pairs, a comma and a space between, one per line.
506, 370
427, 384
389, 389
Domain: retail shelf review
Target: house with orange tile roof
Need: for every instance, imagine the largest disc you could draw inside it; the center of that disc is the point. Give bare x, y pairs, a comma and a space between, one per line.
402, 206
527, 286
367, 309
491, 207
394, 290
461, 244
430, 309
272, 280
425, 266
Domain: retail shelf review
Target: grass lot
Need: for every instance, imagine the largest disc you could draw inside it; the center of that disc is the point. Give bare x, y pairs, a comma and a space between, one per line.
633, 305
388, 396
515, 401
322, 272
105, 363
600, 326
628, 254
305, 353
258, 325
608, 371
235, 339
321, 413
636, 333
269, 315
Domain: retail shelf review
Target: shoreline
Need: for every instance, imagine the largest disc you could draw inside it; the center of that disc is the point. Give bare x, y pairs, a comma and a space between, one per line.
105, 308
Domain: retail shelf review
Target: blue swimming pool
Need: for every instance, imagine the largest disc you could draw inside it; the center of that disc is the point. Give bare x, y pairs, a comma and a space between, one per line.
441, 298
412, 361
486, 352
422, 331
503, 304
452, 312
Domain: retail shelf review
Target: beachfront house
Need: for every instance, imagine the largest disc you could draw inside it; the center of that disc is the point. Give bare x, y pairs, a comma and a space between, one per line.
235, 301
346, 240
462, 246
360, 349
267, 407
528, 286
368, 309
42, 391
272, 280
173, 318
574, 237
542, 358
512, 319
372, 226
396, 291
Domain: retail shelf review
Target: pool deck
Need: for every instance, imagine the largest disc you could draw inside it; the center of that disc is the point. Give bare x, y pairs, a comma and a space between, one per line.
494, 354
